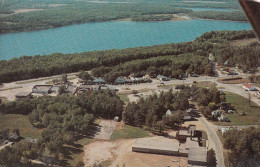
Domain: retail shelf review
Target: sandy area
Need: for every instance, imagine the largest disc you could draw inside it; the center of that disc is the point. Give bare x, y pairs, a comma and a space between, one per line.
120, 153
106, 129
175, 18
26, 10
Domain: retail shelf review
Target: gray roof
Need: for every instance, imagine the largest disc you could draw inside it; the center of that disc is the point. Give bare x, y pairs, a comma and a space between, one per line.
23, 94
99, 80
41, 88
198, 154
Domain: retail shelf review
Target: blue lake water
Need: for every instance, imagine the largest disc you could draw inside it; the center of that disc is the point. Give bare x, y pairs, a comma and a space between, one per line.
108, 35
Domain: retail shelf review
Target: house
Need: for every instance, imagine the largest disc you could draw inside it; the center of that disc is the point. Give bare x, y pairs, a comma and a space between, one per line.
223, 118
226, 63
169, 112
55, 89
22, 95
162, 78
197, 156
14, 138
83, 88
99, 81
120, 80
42, 89
216, 113
186, 116
249, 87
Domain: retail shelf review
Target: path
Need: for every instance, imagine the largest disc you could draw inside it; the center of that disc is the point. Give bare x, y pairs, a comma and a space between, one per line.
106, 129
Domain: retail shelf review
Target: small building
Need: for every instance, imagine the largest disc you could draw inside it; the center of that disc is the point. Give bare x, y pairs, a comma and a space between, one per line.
216, 113
22, 95
96, 87
249, 87
42, 89
83, 88
226, 63
116, 119
162, 78
99, 81
169, 112
14, 138
197, 156
186, 116
55, 89
182, 134
120, 81
223, 118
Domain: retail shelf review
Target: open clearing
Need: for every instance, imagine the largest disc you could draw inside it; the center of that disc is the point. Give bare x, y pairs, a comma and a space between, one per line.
21, 122
243, 42
106, 129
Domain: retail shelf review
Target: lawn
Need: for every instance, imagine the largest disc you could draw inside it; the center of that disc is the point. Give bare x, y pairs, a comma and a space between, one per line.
124, 98
240, 103
129, 132
21, 122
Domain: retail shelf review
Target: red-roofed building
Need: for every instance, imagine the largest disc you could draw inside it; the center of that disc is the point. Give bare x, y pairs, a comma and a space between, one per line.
249, 87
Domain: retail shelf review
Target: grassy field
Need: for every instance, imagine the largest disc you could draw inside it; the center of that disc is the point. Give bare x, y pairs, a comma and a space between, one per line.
21, 122
241, 105
128, 132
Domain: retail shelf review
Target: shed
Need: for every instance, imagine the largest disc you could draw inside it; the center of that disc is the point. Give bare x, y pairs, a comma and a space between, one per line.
99, 81
162, 78
22, 95
120, 80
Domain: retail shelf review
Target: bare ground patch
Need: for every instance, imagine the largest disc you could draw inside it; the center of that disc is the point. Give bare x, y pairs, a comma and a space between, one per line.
243, 42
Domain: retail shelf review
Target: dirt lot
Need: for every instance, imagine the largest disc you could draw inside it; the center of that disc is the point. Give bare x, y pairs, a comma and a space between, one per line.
106, 129
120, 153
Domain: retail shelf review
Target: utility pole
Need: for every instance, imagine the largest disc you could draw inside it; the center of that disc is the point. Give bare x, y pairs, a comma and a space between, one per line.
249, 98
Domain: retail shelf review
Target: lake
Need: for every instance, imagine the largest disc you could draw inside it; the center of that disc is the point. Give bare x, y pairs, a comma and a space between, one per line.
108, 35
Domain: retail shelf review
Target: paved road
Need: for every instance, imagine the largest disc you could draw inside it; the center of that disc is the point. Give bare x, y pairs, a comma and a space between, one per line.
214, 141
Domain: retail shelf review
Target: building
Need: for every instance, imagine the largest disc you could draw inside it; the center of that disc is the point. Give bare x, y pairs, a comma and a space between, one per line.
161, 145
99, 81
83, 88
197, 156
186, 116
22, 95
169, 112
223, 118
42, 89
182, 135
216, 113
162, 78
249, 87
120, 80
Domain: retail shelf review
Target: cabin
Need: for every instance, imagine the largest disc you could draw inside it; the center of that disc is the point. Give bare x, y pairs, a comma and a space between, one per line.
223, 118
23, 95
120, 81
249, 87
72, 89
162, 78
42, 89
99, 81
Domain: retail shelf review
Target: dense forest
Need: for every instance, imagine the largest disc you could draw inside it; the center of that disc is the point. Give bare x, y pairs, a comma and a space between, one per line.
243, 145
168, 59
80, 12
64, 120
220, 15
